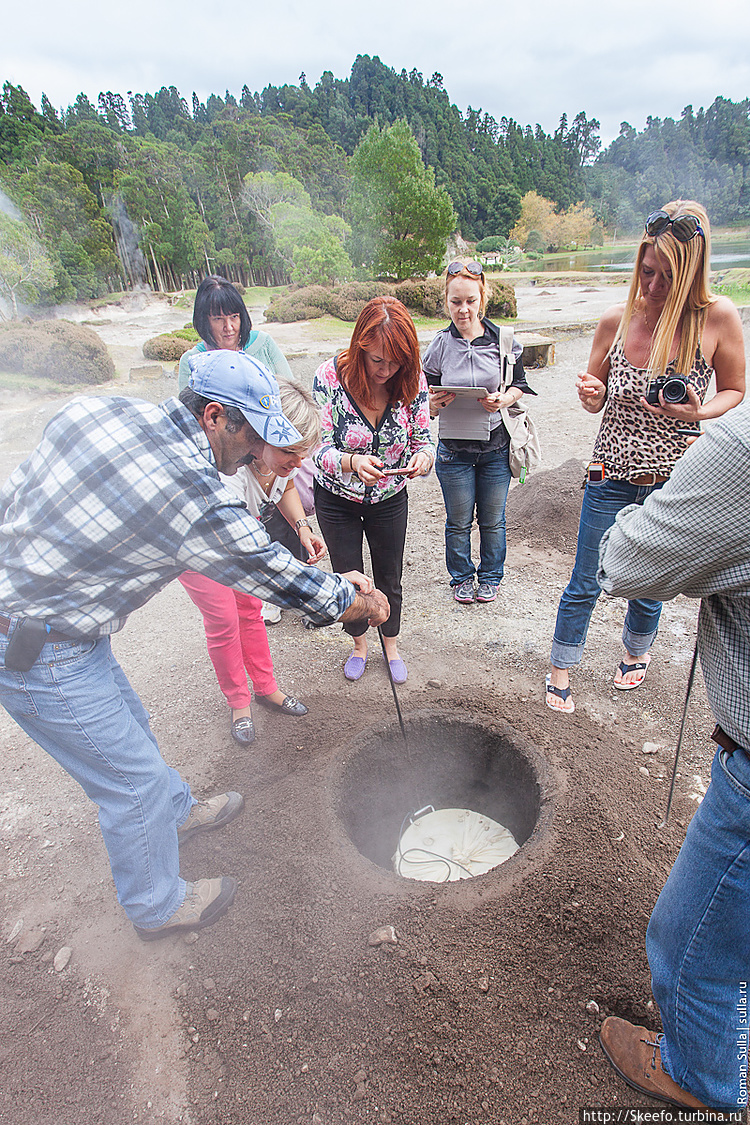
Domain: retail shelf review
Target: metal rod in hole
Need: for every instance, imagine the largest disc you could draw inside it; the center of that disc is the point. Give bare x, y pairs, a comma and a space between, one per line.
393, 688
679, 737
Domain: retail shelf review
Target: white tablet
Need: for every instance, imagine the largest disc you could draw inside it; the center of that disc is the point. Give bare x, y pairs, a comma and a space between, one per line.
464, 392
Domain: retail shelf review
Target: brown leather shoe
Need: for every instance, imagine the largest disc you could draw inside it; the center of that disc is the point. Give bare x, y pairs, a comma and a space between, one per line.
634, 1053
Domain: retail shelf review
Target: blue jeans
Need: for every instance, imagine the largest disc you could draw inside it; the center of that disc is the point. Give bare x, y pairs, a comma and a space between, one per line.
77, 704
698, 943
601, 503
474, 481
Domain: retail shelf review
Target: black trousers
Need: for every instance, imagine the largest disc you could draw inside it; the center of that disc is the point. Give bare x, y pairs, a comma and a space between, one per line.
344, 522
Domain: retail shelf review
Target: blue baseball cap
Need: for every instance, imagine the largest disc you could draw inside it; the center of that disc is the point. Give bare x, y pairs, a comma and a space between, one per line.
236, 379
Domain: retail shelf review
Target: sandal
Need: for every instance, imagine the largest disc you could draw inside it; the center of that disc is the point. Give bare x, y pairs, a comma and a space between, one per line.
562, 693
636, 666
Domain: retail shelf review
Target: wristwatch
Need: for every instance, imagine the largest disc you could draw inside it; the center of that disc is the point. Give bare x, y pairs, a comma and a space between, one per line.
301, 523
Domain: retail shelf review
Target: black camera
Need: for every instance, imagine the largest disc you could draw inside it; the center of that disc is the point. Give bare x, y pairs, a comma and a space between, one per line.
673, 387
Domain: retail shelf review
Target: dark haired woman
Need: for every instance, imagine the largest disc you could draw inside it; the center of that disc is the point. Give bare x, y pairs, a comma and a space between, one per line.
221, 319
235, 630
376, 435
670, 324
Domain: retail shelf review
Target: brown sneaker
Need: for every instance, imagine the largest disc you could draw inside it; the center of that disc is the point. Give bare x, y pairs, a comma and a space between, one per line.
636, 1056
205, 902
213, 813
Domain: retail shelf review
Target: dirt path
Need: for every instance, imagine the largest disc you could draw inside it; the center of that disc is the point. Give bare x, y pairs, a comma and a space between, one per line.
282, 1013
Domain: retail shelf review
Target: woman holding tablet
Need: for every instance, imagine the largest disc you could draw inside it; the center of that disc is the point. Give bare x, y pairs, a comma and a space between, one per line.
472, 463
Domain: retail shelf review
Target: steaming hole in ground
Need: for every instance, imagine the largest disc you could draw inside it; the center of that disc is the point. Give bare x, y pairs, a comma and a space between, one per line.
447, 763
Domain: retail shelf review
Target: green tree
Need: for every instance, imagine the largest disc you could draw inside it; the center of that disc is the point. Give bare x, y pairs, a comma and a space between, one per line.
173, 236
68, 220
400, 218
25, 269
263, 192
322, 261
308, 245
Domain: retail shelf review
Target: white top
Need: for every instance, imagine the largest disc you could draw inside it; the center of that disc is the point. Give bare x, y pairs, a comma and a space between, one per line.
246, 485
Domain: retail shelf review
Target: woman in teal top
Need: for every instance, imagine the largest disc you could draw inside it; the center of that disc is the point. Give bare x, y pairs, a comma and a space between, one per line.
222, 321
235, 632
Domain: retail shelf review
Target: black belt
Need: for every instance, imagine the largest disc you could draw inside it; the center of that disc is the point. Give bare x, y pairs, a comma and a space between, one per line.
52, 635
722, 739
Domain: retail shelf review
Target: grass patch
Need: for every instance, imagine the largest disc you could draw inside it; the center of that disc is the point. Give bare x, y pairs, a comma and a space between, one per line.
735, 284
108, 299
262, 295
11, 382
257, 296
329, 330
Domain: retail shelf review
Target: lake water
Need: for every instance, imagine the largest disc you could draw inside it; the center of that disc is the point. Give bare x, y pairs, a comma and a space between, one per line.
724, 255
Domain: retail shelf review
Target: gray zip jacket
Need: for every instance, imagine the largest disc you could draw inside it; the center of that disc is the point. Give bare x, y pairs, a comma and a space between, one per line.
450, 360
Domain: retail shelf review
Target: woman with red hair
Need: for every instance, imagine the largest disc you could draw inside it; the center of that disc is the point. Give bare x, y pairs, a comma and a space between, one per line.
376, 436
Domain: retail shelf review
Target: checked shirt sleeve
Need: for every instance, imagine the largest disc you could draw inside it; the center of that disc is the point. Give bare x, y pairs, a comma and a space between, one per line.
230, 546
693, 537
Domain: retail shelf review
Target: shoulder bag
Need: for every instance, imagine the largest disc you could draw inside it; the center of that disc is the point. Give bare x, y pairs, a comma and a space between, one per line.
525, 451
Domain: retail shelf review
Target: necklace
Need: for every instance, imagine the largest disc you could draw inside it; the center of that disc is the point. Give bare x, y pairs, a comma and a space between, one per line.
645, 317
259, 473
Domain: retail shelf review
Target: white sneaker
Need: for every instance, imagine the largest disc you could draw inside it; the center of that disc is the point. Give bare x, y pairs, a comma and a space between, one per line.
271, 614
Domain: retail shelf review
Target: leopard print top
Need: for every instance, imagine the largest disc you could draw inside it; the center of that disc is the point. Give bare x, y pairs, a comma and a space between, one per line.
630, 440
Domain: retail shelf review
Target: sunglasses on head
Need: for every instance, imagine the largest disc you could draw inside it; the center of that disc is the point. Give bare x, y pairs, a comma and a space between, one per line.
684, 227
473, 268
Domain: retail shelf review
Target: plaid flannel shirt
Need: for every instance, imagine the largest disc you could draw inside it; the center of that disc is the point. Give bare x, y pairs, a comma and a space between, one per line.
693, 537
119, 498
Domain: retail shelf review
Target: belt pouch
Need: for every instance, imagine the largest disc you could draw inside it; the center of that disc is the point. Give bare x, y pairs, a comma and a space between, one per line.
25, 644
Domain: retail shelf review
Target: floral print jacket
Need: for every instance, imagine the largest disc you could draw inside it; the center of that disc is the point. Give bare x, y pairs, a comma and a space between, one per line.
403, 430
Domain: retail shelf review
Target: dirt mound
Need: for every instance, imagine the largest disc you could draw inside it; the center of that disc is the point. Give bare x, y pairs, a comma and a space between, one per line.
545, 510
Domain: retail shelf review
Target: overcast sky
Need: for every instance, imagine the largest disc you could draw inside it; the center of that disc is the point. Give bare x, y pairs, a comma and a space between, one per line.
528, 59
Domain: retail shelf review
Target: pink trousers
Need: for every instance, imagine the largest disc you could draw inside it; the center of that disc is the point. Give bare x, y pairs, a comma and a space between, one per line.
236, 637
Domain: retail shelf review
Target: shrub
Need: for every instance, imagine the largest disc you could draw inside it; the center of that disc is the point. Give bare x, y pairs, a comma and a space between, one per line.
412, 293
349, 300
423, 295
494, 243
311, 301
55, 349
306, 303
168, 347
501, 300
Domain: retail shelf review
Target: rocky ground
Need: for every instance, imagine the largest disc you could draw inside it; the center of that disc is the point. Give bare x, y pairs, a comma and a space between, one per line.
485, 1010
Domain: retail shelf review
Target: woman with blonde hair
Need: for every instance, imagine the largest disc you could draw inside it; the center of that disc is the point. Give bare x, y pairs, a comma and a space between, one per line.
376, 436
650, 366
473, 451
235, 631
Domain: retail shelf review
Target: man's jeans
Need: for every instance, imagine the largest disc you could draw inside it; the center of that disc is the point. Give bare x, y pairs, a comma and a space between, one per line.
601, 503
469, 481
698, 943
77, 704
